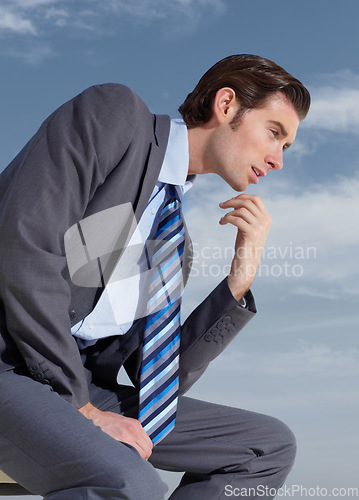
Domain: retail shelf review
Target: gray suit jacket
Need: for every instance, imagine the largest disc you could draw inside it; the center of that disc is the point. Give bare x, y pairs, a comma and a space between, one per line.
99, 150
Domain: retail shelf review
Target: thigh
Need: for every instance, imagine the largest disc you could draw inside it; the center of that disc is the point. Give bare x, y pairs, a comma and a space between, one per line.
209, 437
47, 445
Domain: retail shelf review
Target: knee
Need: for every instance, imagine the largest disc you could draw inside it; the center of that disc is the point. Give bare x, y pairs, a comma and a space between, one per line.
280, 443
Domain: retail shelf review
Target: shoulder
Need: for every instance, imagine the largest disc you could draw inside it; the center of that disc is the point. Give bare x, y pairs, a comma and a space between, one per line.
112, 97
102, 110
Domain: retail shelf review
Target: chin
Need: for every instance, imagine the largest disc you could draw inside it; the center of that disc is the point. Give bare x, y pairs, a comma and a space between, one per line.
238, 186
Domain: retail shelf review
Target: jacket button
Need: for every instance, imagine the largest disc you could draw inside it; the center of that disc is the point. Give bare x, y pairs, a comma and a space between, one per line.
208, 337
214, 331
34, 367
227, 319
221, 325
72, 315
38, 376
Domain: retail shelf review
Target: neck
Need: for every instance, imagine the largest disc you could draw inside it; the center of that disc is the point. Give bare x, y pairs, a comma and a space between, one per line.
197, 144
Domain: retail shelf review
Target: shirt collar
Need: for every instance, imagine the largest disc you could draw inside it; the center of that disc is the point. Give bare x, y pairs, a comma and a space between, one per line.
175, 164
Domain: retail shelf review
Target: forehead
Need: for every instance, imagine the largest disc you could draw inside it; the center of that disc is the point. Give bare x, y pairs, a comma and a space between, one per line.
278, 101
278, 108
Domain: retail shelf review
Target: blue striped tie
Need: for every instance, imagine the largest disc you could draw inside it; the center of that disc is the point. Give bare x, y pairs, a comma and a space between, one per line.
160, 355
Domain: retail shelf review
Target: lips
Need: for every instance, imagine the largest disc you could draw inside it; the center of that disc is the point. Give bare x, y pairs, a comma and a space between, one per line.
257, 173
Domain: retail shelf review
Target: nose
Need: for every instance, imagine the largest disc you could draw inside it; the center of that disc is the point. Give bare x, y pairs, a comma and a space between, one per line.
275, 159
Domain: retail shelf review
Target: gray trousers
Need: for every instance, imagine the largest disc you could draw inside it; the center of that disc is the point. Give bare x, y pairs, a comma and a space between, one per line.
54, 451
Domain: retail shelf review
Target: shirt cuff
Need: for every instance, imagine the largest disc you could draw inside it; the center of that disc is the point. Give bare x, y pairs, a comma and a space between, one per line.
243, 302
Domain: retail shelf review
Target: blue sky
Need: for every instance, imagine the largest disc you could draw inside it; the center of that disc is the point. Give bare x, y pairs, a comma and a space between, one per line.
298, 359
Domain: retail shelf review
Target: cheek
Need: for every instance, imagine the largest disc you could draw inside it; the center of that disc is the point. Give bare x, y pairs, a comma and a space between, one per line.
220, 150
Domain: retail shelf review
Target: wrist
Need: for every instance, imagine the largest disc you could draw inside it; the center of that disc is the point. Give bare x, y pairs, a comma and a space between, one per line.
88, 411
238, 290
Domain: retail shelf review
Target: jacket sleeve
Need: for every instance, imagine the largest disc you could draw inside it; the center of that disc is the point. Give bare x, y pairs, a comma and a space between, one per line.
208, 331
44, 191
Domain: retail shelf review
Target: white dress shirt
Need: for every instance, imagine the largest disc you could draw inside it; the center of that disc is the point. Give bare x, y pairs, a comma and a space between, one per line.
124, 300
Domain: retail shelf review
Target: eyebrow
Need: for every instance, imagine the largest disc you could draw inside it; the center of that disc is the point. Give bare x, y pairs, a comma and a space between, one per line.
282, 130
281, 126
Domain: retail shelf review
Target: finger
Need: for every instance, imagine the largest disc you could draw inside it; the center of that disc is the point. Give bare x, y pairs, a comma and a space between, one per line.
242, 213
143, 439
144, 449
244, 198
146, 444
246, 203
239, 222
130, 430
246, 210
142, 443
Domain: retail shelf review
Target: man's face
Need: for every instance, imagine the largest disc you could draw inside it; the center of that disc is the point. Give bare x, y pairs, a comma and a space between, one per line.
243, 155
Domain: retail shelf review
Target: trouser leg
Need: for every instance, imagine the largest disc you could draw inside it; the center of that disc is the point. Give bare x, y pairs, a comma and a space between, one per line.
225, 451
50, 448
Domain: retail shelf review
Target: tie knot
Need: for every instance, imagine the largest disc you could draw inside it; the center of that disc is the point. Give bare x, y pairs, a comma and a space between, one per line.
174, 192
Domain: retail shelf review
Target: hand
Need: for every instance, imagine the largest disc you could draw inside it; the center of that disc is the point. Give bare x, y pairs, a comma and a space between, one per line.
125, 429
251, 218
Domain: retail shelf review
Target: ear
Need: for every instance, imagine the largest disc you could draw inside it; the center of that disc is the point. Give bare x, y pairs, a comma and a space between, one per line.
225, 104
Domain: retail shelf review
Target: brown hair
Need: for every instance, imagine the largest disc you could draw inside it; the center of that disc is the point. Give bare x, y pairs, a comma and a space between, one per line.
253, 78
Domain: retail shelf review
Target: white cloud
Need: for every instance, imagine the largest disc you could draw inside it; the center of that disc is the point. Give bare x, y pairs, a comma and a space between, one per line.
58, 16
30, 17
19, 16
34, 53
313, 243
31, 4
335, 110
301, 148
335, 106
309, 292
161, 9
307, 358
174, 18
325, 214
16, 23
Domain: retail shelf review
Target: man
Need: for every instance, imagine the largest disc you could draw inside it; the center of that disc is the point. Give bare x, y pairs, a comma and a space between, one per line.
72, 312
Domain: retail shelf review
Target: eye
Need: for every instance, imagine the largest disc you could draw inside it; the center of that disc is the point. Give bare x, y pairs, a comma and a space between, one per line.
274, 132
